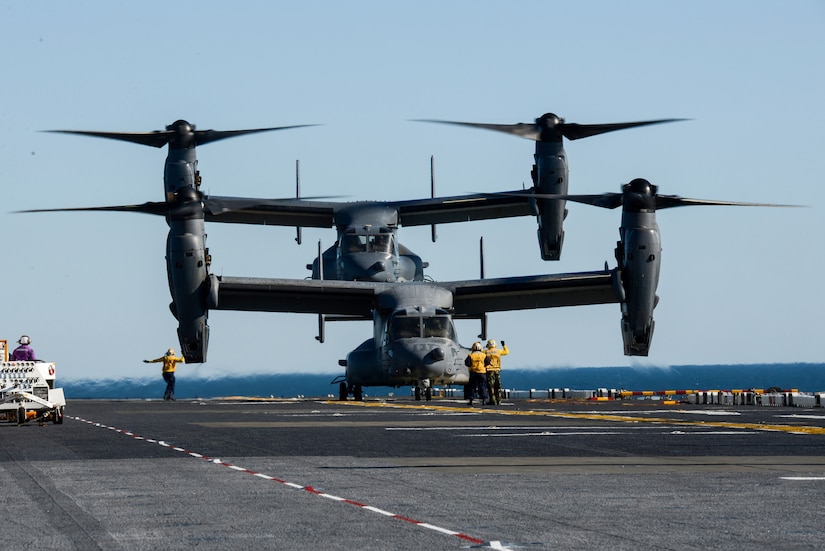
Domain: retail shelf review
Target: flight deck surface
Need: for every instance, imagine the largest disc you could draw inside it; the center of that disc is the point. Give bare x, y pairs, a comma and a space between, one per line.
400, 474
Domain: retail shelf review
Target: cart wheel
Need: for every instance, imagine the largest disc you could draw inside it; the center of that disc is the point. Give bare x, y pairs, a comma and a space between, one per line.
21, 415
57, 416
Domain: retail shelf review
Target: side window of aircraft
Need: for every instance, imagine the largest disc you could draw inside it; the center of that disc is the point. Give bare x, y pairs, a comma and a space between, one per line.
405, 327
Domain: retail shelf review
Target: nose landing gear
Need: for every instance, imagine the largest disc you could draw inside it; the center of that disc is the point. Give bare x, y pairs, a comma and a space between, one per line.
424, 388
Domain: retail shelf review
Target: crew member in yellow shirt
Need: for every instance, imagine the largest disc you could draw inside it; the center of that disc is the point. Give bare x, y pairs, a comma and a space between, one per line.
478, 374
493, 362
169, 363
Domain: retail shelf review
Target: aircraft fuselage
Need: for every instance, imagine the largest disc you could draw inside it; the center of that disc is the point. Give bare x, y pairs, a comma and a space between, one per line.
414, 341
367, 248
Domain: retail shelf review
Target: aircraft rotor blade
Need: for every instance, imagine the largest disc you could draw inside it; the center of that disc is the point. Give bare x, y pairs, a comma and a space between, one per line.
214, 207
603, 200
207, 136
549, 127
181, 134
154, 139
614, 200
575, 131
160, 208
670, 201
523, 130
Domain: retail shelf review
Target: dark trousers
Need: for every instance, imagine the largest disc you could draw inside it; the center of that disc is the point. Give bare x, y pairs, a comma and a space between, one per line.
170, 386
478, 386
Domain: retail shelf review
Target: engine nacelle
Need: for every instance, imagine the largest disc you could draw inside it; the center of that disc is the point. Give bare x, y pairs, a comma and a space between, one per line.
637, 343
194, 339
189, 286
550, 177
639, 256
179, 174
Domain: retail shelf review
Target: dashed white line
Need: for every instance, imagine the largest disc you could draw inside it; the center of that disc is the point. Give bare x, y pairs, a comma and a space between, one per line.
309, 489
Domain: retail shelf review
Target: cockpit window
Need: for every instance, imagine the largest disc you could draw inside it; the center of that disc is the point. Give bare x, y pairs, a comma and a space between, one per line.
380, 243
439, 326
354, 243
405, 327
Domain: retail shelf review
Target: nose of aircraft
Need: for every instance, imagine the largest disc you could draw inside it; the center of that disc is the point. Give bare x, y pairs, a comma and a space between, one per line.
420, 358
363, 266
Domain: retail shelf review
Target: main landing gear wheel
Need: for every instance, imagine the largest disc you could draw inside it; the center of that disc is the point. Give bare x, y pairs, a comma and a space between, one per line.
343, 392
357, 393
21, 415
418, 394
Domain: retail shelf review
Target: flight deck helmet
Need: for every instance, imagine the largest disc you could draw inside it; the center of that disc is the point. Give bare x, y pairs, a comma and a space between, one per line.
476, 347
170, 352
491, 343
24, 340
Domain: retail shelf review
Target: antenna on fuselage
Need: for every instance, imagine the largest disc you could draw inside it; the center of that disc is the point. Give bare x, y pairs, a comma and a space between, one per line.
321, 317
432, 191
483, 334
298, 196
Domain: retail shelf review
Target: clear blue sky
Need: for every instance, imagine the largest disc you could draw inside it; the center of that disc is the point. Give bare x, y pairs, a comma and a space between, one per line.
739, 285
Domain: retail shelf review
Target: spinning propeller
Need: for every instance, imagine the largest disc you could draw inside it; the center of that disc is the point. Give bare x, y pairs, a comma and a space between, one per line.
178, 135
551, 128
639, 195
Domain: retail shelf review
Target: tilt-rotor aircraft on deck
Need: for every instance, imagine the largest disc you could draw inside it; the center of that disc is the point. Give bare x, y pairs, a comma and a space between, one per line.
414, 340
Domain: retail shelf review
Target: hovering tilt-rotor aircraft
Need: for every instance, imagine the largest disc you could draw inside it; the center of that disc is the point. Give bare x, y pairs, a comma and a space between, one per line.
414, 340
549, 173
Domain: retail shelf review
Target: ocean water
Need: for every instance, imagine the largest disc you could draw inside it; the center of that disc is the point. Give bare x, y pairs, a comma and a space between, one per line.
804, 377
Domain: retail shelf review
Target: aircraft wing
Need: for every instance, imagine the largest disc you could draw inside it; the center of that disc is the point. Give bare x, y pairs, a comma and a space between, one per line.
475, 297
272, 212
464, 208
471, 298
321, 214
303, 296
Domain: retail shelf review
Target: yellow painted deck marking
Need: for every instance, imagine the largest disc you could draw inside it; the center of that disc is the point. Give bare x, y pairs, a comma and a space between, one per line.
801, 429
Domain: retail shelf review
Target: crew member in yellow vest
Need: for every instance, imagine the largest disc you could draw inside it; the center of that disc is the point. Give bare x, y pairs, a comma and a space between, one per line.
478, 373
493, 362
169, 363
